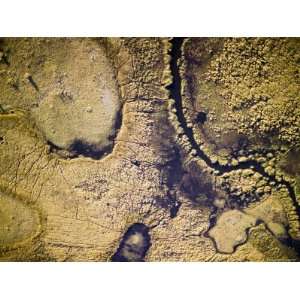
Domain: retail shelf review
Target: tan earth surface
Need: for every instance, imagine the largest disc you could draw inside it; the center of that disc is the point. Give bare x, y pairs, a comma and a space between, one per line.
149, 149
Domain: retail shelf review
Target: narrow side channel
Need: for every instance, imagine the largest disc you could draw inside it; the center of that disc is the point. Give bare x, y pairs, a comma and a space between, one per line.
175, 93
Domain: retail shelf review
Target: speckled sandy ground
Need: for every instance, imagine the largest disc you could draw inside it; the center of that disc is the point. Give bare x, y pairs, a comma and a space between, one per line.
92, 142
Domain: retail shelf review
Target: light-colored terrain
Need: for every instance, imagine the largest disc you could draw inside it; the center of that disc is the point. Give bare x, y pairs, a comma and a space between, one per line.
91, 143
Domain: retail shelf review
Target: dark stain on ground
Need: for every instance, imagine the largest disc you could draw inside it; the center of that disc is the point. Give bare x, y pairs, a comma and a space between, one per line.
78, 148
194, 182
134, 244
201, 117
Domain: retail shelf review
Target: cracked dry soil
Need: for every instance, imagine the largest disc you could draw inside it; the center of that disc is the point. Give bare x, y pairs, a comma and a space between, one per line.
149, 149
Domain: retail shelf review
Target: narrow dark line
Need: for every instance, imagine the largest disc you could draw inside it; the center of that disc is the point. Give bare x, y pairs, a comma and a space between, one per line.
175, 93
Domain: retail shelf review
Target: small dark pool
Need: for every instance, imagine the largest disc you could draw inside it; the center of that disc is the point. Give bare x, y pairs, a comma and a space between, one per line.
134, 245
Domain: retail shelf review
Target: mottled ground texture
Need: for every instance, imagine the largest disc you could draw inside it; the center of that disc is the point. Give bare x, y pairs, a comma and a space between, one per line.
149, 149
